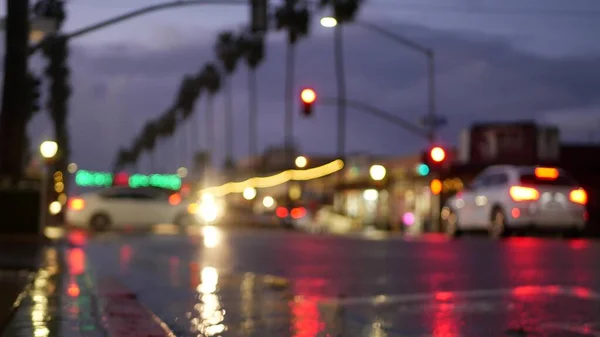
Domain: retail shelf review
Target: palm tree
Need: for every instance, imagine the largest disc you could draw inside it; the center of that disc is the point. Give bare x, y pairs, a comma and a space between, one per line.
211, 80
294, 19
188, 94
166, 126
344, 11
148, 138
228, 53
253, 49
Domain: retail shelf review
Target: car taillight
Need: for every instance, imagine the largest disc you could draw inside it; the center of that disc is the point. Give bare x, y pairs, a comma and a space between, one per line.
175, 199
520, 193
549, 173
281, 212
76, 204
298, 213
578, 196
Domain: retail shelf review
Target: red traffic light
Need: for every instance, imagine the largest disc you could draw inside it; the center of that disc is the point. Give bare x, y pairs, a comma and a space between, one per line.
308, 96
437, 154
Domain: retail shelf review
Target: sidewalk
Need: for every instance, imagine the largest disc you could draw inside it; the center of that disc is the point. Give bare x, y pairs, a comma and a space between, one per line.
19, 258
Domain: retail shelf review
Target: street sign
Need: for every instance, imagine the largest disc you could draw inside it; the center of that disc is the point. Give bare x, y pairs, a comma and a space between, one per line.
435, 121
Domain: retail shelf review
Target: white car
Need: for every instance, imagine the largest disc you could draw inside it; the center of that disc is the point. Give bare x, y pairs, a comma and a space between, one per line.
505, 198
118, 206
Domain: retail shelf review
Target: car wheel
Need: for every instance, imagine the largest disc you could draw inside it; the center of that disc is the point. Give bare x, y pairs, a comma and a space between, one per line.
497, 227
451, 227
100, 222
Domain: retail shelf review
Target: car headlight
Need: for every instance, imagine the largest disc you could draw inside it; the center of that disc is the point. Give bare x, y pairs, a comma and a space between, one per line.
208, 212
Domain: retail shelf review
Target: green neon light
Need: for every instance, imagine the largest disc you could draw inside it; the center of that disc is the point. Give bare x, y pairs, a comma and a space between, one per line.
86, 178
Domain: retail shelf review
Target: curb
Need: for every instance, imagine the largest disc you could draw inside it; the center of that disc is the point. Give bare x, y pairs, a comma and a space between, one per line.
121, 314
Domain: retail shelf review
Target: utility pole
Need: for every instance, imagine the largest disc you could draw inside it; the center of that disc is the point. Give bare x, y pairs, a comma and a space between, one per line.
14, 98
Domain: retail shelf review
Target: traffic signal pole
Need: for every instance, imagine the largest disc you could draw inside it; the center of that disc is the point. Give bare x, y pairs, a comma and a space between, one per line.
14, 99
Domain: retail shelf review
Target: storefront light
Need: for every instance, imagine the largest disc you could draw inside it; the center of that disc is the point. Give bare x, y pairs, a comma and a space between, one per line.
370, 195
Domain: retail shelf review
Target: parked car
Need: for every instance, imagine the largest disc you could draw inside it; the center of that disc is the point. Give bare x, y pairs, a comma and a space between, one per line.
118, 206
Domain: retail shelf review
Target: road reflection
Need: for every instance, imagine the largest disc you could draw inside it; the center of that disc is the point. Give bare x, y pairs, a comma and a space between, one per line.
212, 236
208, 315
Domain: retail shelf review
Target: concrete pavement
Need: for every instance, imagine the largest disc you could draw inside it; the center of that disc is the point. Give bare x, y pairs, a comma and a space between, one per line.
281, 283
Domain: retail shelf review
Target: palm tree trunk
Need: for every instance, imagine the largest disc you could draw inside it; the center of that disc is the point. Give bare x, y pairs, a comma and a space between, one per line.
196, 129
253, 109
176, 151
152, 154
289, 100
228, 119
190, 145
210, 136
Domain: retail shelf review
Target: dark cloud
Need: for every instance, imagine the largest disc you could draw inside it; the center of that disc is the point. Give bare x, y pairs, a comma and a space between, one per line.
479, 77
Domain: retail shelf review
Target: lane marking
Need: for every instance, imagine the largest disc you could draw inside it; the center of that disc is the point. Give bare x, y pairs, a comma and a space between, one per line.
584, 329
529, 290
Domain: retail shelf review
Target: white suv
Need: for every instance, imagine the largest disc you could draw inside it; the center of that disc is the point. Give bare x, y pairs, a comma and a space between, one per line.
505, 198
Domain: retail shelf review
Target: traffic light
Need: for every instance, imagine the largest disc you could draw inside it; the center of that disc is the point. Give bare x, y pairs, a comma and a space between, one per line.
434, 159
422, 169
258, 16
33, 84
308, 97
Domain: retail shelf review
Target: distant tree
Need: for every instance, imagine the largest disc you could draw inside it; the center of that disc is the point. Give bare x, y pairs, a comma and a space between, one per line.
210, 78
228, 52
253, 50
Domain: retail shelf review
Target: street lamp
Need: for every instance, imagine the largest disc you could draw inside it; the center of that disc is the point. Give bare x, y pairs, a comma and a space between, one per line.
48, 150
328, 22
377, 172
301, 162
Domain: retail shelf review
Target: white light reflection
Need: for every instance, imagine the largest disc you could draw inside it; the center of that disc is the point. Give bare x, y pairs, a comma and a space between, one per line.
39, 296
212, 236
210, 322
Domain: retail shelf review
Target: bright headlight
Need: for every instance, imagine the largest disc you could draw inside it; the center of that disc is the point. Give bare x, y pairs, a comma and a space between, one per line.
208, 211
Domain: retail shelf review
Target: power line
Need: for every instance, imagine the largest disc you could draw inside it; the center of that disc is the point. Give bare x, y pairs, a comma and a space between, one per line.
529, 11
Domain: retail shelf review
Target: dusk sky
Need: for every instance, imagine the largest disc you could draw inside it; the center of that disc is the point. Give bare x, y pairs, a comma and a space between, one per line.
497, 60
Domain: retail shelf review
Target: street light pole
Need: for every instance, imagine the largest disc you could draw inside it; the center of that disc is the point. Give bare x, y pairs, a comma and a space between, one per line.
431, 120
379, 113
138, 12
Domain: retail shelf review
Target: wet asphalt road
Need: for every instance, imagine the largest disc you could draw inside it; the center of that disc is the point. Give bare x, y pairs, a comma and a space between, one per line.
278, 283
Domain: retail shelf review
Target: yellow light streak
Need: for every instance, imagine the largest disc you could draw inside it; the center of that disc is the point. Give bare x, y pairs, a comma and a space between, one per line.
274, 180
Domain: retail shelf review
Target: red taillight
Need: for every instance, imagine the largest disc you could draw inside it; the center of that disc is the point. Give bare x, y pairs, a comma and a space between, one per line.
281, 212
549, 173
578, 196
76, 204
298, 213
175, 199
520, 193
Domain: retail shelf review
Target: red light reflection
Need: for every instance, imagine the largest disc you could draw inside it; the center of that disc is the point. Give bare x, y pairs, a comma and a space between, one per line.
578, 244
194, 274
125, 254
444, 296
307, 320
77, 238
73, 289
526, 291
76, 261
582, 293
